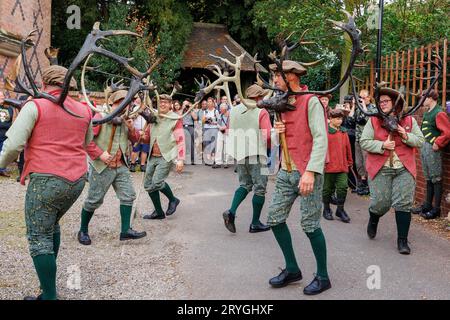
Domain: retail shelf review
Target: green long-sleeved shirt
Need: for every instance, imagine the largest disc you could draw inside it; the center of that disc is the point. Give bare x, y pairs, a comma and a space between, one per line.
20, 132
316, 122
368, 143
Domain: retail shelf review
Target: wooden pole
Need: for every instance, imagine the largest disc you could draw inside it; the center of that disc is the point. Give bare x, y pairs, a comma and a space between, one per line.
414, 77
422, 57
391, 153
408, 66
391, 81
284, 145
396, 71
429, 66
436, 86
111, 138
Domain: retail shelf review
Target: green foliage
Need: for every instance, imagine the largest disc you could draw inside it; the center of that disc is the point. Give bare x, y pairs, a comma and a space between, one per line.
125, 46
70, 40
164, 24
255, 24
170, 25
407, 24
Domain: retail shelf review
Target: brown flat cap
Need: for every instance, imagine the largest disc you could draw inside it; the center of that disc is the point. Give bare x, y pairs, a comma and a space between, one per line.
255, 91
165, 97
398, 100
290, 66
117, 96
54, 76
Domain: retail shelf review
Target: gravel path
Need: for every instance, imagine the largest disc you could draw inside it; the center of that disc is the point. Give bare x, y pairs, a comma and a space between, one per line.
108, 269
191, 255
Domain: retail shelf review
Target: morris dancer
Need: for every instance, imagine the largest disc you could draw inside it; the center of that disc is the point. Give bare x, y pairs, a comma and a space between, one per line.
167, 144
54, 143
109, 168
436, 129
248, 140
391, 166
306, 135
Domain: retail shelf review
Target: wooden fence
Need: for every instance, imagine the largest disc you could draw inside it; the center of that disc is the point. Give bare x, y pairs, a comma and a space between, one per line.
405, 68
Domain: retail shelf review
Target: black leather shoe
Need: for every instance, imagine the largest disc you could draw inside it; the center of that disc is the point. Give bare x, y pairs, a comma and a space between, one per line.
421, 209
83, 238
372, 227
132, 235
155, 216
254, 228
341, 214
143, 168
132, 168
432, 214
328, 214
317, 286
228, 219
284, 278
172, 207
402, 245
4, 174
333, 200
363, 191
31, 298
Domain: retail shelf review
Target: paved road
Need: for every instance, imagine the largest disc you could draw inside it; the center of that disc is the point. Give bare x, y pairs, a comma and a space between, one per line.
216, 264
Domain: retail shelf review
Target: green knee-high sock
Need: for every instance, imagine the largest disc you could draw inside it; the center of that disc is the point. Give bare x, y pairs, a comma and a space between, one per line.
86, 217
239, 196
258, 203
168, 192
403, 220
56, 243
125, 216
319, 247
156, 199
45, 266
283, 236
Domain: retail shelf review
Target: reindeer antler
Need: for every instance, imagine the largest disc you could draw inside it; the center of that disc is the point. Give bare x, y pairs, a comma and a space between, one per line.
221, 71
236, 78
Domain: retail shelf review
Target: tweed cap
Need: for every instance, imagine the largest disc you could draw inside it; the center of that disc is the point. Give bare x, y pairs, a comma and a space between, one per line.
290, 66
255, 91
54, 76
165, 97
117, 96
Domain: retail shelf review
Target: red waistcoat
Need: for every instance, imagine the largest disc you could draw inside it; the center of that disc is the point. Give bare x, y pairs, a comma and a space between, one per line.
405, 153
56, 145
298, 134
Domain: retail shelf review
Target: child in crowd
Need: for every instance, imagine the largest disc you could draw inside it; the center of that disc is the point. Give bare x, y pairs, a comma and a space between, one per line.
336, 170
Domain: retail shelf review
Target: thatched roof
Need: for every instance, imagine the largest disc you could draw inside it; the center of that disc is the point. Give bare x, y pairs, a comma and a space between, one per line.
208, 38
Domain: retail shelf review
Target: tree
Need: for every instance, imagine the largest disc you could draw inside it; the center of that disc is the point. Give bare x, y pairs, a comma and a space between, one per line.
164, 25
